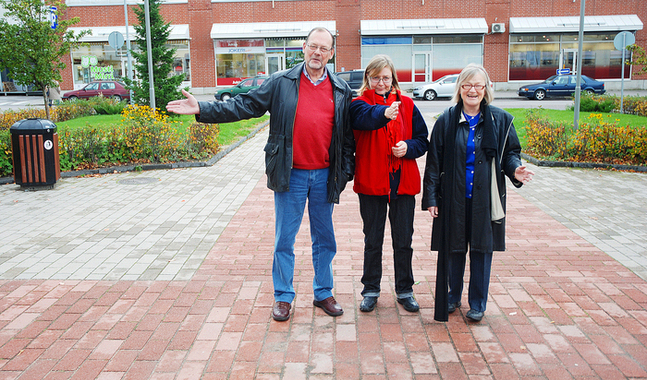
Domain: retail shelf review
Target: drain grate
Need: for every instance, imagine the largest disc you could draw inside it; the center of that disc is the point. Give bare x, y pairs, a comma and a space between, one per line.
138, 181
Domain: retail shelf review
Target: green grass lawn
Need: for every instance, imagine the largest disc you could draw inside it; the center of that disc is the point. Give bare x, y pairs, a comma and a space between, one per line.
229, 132
567, 116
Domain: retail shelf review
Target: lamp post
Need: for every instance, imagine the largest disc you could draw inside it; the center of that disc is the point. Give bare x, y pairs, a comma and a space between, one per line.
151, 84
129, 71
578, 81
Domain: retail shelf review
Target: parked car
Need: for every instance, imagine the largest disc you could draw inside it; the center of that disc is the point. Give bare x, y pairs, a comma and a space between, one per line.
353, 78
243, 87
443, 87
560, 85
107, 88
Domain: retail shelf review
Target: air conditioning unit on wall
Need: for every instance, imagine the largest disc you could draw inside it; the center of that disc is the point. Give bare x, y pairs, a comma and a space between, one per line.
498, 28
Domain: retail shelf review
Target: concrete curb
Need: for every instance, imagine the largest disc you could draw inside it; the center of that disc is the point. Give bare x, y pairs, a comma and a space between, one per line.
173, 165
584, 165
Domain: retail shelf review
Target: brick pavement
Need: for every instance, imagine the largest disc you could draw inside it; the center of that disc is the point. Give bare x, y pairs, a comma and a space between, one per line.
560, 307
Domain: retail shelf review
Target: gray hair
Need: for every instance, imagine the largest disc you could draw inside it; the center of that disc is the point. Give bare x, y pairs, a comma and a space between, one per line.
468, 73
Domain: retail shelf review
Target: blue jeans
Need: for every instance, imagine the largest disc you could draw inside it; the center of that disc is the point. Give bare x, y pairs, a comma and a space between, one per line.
289, 207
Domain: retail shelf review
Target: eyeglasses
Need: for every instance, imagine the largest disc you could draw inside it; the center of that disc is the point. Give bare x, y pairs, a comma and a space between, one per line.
477, 87
322, 49
376, 80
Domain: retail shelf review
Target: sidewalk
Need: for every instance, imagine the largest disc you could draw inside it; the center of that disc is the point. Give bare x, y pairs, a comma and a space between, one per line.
167, 275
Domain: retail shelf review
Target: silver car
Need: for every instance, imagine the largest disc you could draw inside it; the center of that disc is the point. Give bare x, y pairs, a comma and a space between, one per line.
443, 87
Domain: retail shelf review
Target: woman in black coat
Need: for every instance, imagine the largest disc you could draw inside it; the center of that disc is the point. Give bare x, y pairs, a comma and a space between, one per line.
465, 141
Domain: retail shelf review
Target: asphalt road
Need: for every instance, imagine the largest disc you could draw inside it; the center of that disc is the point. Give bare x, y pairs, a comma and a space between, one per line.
502, 99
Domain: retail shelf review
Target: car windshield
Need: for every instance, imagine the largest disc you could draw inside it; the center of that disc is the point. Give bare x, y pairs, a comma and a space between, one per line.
550, 79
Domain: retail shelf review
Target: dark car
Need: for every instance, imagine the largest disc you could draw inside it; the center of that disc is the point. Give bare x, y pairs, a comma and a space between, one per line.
241, 88
353, 78
560, 85
107, 88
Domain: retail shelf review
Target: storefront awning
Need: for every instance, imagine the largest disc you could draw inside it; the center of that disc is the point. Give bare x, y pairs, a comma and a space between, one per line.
269, 29
572, 24
423, 26
101, 33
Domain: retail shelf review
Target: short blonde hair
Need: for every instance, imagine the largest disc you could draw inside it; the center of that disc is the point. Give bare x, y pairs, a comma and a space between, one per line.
468, 73
377, 64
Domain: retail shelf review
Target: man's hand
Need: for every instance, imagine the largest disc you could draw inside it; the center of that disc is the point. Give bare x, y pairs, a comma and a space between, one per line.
188, 106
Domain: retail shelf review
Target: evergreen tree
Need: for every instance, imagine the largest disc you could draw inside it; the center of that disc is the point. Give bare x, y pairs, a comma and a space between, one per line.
166, 86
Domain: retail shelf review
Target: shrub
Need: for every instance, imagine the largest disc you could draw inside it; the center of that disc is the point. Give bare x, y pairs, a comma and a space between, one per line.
596, 140
202, 140
63, 112
545, 138
150, 134
6, 157
598, 103
633, 105
107, 106
142, 137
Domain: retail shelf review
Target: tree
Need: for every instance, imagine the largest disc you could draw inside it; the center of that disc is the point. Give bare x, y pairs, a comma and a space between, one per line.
32, 45
639, 58
166, 86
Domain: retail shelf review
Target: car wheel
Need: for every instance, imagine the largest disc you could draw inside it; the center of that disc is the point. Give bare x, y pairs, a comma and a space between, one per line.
116, 97
430, 95
225, 97
72, 97
589, 92
540, 94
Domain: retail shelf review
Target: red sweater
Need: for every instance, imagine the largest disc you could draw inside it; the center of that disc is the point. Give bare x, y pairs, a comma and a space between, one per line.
373, 155
313, 125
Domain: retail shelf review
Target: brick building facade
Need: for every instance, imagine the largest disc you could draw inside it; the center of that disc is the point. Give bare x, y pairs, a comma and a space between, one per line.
422, 48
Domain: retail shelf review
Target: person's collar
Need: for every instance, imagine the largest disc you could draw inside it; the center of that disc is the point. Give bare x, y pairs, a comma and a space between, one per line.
323, 77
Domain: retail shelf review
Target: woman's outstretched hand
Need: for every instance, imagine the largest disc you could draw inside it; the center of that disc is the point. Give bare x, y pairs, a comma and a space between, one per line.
523, 175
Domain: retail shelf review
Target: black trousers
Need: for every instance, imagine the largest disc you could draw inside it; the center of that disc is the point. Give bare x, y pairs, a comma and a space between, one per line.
373, 210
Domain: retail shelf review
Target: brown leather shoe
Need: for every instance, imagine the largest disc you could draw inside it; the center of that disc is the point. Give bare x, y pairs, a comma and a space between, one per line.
329, 306
281, 311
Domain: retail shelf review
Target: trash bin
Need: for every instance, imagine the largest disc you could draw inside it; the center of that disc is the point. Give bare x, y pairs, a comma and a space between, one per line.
35, 153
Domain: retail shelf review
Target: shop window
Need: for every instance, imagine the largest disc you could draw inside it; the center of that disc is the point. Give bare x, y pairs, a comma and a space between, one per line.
110, 62
533, 59
240, 65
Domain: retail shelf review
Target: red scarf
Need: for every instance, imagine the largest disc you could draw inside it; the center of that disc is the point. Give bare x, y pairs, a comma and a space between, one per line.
374, 158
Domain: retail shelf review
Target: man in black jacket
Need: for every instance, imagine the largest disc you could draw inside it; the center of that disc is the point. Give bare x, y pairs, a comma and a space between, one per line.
309, 156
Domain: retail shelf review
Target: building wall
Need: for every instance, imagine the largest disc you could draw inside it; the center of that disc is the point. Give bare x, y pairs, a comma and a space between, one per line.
201, 14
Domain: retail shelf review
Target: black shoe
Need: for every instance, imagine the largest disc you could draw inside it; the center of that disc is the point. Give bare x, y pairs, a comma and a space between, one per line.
368, 304
453, 306
409, 304
474, 315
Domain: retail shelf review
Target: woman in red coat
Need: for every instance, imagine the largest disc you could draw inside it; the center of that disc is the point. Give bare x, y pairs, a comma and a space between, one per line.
390, 134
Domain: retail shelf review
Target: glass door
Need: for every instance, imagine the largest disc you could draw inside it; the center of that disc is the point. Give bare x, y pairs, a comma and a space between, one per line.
274, 63
422, 67
568, 60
